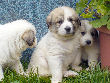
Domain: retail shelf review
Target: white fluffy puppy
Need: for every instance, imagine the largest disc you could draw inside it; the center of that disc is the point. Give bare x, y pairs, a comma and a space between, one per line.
59, 47
15, 37
89, 43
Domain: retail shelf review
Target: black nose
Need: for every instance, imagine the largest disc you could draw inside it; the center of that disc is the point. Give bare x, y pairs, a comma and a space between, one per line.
88, 42
68, 29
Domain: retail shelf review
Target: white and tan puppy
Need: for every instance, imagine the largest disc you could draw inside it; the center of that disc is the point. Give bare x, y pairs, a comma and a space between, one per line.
15, 37
89, 43
59, 47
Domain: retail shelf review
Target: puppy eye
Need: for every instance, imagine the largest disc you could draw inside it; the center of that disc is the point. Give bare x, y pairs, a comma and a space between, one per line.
83, 33
92, 34
70, 19
60, 21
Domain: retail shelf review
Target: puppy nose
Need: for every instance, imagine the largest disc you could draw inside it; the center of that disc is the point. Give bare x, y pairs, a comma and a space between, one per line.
88, 42
68, 29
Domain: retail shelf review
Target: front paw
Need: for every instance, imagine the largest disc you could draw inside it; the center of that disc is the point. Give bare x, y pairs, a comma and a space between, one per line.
56, 81
70, 73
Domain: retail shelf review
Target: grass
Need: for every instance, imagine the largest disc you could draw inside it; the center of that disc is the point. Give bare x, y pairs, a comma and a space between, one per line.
93, 76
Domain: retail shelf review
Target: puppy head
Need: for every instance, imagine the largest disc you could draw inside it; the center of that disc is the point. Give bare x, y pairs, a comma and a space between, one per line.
29, 38
89, 34
63, 21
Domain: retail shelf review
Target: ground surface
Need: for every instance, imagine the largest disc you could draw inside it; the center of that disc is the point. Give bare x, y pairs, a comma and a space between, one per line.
94, 76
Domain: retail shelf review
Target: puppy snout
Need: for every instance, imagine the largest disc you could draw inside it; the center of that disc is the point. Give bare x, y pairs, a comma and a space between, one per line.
68, 29
88, 42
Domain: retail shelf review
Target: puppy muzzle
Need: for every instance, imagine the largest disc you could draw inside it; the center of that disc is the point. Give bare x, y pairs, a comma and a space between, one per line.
69, 30
88, 42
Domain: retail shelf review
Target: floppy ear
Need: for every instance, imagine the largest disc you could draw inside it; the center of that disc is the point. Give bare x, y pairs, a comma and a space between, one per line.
95, 34
49, 20
79, 22
29, 37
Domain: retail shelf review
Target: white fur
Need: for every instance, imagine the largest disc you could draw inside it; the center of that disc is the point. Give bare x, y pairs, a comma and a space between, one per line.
77, 61
88, 52
54, 53
87, 27
53, 56
11, 45
91, 53
61, 29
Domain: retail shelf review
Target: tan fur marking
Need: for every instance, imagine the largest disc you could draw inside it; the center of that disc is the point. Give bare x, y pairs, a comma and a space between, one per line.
29, 37
55, 16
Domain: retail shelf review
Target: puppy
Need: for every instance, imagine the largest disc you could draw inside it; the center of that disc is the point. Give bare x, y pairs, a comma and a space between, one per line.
15, 37
89, 43
59, 47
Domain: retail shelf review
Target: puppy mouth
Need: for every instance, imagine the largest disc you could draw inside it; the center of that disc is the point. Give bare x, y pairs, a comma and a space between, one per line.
88, 44
70, 33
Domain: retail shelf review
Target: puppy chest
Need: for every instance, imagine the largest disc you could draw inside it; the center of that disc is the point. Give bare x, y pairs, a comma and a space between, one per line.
68, 59
84, 54
69, 47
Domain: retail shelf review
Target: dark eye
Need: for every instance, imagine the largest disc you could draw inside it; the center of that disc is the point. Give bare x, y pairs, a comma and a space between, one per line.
60, 21
70, 19
92, 34
83, 33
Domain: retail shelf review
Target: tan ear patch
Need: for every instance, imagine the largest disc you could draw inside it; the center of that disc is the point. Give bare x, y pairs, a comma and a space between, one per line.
54, 15
29, 37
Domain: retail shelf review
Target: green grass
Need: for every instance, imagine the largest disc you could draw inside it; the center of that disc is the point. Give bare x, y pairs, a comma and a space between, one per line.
94, 76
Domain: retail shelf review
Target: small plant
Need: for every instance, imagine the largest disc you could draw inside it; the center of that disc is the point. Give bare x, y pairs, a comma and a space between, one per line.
97, 10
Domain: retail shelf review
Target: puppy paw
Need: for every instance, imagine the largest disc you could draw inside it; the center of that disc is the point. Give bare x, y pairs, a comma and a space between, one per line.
55, 82
26, 74
87, 69
90, 68
77, 68
70, 73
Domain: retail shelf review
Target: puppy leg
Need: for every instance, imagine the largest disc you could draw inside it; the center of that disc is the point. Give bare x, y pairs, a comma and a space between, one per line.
77, 61
92, 60
18, 67
1, 73
93, 53
55, 66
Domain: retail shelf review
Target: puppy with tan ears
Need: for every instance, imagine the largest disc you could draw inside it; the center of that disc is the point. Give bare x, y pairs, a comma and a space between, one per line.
59, 47
15, 37
89, 43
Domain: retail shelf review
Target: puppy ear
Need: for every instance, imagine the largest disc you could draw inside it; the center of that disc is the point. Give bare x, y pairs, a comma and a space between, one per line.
95, 32
29, 37
49, 20
79, 22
